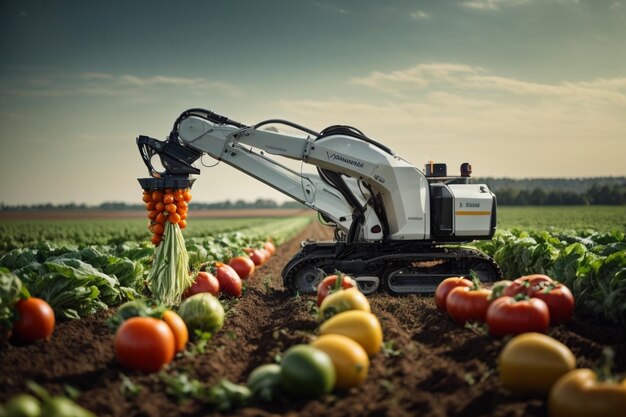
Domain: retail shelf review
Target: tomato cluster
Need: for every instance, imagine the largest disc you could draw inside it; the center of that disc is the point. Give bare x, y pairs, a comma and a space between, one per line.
528, 304
166, 205
228, 278
220, 278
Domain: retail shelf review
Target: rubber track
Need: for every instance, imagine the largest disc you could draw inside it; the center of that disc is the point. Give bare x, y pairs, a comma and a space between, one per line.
307, 257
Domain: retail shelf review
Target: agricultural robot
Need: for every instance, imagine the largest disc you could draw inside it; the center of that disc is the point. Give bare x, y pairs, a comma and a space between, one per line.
396, 227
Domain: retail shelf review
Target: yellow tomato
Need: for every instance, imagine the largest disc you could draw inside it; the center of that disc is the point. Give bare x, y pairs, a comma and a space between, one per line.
343, 300
360, 326
579, 394
532, 362
349, 359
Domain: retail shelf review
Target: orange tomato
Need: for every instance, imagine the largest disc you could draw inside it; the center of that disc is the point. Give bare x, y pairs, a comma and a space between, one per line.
168, 198
150, 206
178, 327
178, 196
182, 204
170, 208
156, 239
174, 218
183, 216
182, 224
160, 218
159, 206
157, 196
187, 195
144, 343
152, 215
158, 229
147, 197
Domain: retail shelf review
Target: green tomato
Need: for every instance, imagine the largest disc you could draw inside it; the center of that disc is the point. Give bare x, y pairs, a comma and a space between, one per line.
265, 382
64, 407
307, 372
202, 311
23, 405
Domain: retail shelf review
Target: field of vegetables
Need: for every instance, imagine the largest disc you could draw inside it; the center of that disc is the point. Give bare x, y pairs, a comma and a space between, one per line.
428, 364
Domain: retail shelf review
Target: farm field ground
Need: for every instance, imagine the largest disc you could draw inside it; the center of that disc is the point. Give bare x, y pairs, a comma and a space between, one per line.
599, 218
139, 214
429, 367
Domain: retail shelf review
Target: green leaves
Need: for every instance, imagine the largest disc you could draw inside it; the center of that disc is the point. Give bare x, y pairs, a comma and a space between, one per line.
76, 283
11, 289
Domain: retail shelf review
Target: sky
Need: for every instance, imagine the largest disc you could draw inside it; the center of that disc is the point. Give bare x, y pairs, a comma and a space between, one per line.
518, 88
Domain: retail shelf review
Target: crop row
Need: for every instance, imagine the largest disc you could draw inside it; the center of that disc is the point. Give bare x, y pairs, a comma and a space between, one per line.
80, 280
78, 233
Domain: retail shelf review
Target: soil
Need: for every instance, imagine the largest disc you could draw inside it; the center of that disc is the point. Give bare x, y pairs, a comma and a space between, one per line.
431, 366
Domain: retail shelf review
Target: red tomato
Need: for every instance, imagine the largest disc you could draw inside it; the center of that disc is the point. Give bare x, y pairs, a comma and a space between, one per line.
205, 282
243, 266
560, 302
468, 304
230, 283
179, 329
444, 288
508, 316
257, 256
271, 248
526, 285
144, 343
328, 284
35, 320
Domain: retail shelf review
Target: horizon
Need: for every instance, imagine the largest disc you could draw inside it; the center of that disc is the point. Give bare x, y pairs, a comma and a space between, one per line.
287, 200
521, 89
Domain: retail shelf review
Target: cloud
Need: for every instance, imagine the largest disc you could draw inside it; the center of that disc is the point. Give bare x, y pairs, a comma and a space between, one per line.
455, 113
420, 15
107, 84
468, 79
491, 4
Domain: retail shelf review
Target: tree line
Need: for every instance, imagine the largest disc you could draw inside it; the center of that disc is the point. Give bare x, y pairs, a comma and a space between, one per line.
595, 195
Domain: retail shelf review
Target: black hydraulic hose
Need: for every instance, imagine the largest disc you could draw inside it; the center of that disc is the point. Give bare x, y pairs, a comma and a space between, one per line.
353, 132
357, 221
206, 114
287, 123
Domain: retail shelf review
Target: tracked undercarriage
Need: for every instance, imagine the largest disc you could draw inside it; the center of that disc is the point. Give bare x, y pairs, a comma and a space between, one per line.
400, 268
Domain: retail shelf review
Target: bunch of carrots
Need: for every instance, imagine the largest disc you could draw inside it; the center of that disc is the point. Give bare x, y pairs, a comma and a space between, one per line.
166, 205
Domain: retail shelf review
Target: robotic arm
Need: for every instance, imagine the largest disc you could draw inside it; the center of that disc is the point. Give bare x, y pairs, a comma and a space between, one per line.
368, 192
389, 217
